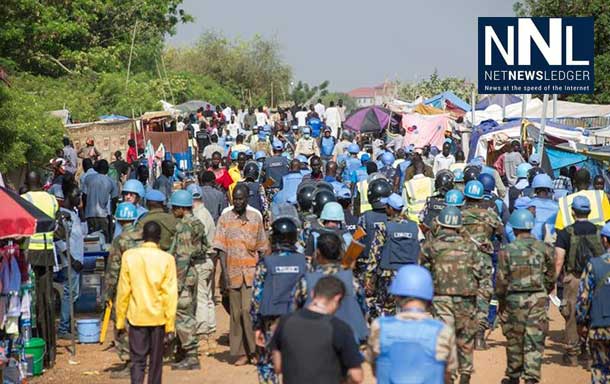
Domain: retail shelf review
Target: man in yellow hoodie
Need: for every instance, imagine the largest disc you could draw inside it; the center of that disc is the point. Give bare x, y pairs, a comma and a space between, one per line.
147, 298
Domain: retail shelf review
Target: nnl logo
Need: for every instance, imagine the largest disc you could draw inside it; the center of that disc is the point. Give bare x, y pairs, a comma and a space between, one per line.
536, 55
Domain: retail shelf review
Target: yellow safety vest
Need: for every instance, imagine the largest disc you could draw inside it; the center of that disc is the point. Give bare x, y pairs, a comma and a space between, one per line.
415, 194
47, 204
600, 208
363, 187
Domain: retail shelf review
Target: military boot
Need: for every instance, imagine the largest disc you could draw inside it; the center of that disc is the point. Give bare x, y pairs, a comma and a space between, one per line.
122, 372
479, 341
531, 381
188, 364
465, 379
510, 380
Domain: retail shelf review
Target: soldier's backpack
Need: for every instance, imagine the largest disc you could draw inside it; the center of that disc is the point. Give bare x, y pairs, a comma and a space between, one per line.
582, 249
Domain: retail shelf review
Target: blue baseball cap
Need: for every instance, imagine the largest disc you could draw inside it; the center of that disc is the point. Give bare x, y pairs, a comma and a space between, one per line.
278, 145
302, 159
306, 130
344, 193
534, 159
523, 202
581, 204
155, 195
606, 230
394, 201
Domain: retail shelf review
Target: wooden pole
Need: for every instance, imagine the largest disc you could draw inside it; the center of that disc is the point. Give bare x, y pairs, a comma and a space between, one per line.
545, 103
503, 107
472, 105
133, 39
160, 78
271, 95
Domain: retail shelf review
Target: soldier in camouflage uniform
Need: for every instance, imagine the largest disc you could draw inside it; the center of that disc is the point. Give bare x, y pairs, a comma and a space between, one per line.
483, 226
462, 279
592, 312
189, 247
525, 276
155, 202
130, 237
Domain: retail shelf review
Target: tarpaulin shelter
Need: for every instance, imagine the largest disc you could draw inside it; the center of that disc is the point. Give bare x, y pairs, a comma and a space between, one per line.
193, 105
368, 119
501, 100
109, 136
423, 109
440, 101
422, 130
20, 218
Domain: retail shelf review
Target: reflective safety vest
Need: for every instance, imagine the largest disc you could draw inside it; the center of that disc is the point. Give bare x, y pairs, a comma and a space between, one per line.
47, 204
408, 351
416, 192
363, 187
600, 305
401, 246
600, 208
349, 310
284, 270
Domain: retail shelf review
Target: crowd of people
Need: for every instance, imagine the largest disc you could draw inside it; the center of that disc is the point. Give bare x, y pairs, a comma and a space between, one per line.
334, 247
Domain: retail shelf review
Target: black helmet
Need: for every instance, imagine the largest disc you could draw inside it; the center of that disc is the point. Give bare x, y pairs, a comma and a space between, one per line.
324, 185
471, 172
320, 198
533, 173
378, 189
443, 181
284, 230
251, 170
305, 197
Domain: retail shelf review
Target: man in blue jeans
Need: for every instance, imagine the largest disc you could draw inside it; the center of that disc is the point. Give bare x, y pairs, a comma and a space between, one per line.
75, 261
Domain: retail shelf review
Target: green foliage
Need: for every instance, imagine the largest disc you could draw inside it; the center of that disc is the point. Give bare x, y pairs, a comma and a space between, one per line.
434, 85
302, 92
350, 103
600, 9
249, 69
28, 134
59, 37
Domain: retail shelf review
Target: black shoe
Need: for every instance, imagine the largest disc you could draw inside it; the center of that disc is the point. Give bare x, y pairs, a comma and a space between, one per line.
509, 380
464, 379
121, 373
530, 381
479, 342
188, 364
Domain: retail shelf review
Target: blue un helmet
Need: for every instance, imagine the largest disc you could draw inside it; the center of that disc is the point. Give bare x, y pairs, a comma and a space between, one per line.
458, 175
454, 197
474, 190
522, 170
542, 181
353, 148
413, 281
450, 217
134, 186
488, 181
387, 158
606, 230
332, 211
181, 198
521, 219
234, 155
259, 155
195, 191
126, 212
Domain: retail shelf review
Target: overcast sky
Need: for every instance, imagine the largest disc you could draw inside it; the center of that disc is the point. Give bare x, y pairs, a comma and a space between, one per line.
354, 43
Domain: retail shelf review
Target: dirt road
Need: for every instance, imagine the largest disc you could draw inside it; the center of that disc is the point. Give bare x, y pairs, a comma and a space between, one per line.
93, 361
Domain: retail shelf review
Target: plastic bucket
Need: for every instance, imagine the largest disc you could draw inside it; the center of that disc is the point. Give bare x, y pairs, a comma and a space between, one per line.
88, 330
36, 348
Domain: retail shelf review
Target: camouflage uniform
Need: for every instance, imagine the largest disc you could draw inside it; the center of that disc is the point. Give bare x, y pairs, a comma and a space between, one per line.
483, 225
525, 275
189, 247
461, 279
599, 338
167, 221
131, 237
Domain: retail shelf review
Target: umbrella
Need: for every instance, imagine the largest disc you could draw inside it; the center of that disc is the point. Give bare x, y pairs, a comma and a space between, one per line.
368, 119
20, 218
501, 100
193, 106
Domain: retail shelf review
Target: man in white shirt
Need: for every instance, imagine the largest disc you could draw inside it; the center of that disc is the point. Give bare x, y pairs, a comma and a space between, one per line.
180, 126
443, 160
320, 109
333, 119
301, 117
261, 118
341, 109
227, 112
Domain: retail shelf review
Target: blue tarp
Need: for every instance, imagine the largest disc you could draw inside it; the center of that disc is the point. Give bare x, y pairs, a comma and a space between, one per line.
501, 100
113, 117
438, 101
560, 159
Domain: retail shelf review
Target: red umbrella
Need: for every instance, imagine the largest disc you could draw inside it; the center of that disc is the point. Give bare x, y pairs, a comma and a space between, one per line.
19, 217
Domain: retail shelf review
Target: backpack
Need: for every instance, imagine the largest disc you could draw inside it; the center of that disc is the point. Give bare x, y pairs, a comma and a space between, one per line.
582, 249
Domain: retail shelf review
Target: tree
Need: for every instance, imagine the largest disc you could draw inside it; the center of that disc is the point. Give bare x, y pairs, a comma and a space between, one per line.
601, 10
28, 134
251, 69
302, 92
434, 85
56, 38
